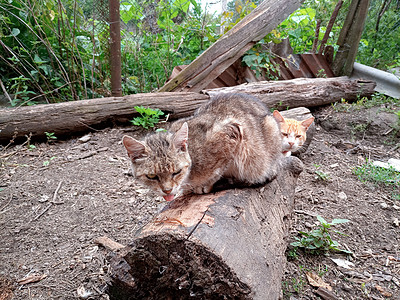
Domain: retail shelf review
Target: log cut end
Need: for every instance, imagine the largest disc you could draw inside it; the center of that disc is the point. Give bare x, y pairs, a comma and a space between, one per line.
168, 266
225, 245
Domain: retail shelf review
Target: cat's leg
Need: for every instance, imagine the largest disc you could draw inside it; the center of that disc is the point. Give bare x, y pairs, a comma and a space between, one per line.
205, 183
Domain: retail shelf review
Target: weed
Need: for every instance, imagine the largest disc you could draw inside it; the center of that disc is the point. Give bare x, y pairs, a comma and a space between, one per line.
47, 162
319, 239
292, 254
321, 270
298, 284
321, 73
343, 106
148, 117
50, 136
31, 147
378, 99
320, 174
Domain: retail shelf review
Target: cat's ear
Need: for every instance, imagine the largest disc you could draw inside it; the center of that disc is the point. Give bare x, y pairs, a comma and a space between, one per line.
307, 123
180, 138
278, 117
134, 148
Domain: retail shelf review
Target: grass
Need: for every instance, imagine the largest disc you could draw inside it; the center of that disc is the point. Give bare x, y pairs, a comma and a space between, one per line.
387, 103
388, 177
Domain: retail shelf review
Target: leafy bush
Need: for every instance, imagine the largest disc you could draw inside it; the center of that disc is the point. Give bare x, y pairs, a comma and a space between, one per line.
58, 51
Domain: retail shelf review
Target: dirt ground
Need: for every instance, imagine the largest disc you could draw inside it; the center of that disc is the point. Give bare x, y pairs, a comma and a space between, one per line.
56, 198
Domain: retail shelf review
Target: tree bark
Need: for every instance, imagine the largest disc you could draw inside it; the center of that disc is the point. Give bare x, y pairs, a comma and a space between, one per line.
226, 245
308, 92
231, 46
77, 116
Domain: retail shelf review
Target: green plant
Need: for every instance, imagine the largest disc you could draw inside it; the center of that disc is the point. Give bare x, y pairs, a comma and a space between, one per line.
47, 162
388, 177
148, 117
292, 254
319, 239
293, 285
50, 136
320, 174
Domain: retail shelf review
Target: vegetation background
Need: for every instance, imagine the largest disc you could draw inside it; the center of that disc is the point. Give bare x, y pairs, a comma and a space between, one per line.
54, 51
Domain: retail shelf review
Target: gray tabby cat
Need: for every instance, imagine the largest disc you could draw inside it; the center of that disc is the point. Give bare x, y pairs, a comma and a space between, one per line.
233, 136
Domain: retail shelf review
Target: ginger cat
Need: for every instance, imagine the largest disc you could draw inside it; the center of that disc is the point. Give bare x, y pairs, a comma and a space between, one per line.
233, 136
293, 132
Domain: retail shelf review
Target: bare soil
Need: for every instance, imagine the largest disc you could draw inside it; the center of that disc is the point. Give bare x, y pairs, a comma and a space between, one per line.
57, 198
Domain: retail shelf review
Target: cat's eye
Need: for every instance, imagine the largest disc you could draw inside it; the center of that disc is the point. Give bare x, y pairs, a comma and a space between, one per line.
176, 173
298, 136
284, 134
151, 176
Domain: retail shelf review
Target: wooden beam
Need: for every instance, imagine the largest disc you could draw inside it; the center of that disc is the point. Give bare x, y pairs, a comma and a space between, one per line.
232, 45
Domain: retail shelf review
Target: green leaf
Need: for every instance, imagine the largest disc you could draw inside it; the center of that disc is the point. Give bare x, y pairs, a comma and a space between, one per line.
339, 221
38, 60
321, 220
15, 32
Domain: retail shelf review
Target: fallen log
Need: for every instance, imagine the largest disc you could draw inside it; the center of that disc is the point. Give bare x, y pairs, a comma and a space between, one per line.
77, 116
308, 92
226, 245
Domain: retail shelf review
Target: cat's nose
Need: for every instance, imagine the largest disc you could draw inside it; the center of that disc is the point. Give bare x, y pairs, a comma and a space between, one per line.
167, 191
291, 144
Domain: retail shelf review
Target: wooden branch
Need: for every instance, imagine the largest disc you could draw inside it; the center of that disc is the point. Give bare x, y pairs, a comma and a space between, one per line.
108, 243
227, 245
232, 45
78, 116
330, 25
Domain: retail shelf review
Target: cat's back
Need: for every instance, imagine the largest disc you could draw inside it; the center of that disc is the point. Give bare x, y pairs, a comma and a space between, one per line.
242, 128
234, 104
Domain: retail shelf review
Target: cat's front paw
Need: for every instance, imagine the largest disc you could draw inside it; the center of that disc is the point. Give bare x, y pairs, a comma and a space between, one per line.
202, 189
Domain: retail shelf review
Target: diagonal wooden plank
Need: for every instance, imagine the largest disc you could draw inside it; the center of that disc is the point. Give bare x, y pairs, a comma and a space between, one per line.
216, 59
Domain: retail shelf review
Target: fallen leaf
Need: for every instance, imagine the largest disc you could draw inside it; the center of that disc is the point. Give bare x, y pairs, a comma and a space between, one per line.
383, 291
343, 263
315, 280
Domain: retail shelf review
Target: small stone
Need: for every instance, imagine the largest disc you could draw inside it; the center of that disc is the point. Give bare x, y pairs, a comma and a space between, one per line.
396, 222
396, 207
334, 165
86, 138
308, 225
342, 196
384, 205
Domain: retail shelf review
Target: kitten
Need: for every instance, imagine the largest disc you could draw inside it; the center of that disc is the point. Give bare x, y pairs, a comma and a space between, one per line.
293, 132
233, 136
